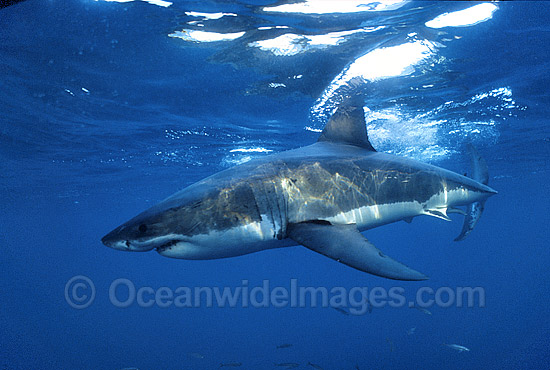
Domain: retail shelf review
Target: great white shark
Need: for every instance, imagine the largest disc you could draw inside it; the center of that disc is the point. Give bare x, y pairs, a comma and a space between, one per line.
320, 196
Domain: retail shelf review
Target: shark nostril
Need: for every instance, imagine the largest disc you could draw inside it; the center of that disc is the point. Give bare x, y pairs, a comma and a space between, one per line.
128, 243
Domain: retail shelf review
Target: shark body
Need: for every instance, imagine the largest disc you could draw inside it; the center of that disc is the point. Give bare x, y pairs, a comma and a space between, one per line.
320, 196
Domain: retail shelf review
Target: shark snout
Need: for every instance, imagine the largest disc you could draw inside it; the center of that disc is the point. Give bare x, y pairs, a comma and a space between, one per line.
126, 238
113, 240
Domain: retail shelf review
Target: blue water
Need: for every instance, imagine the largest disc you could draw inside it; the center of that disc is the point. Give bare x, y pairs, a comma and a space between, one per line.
102, 114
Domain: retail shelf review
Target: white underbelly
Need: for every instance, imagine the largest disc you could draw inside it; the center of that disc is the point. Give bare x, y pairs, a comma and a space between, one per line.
371, 216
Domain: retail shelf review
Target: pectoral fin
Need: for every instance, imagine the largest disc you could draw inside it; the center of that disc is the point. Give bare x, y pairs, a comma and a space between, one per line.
345, 244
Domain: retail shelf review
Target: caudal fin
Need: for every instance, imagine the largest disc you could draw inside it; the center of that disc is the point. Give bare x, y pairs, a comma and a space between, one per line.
480, 173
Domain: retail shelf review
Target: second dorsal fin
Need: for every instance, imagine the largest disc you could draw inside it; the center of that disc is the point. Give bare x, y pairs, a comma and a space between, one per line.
347, 126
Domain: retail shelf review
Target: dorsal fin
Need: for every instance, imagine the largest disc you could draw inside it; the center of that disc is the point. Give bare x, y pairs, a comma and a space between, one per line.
347, 126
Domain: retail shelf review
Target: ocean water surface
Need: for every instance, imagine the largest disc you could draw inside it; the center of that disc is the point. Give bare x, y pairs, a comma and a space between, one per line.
107, 107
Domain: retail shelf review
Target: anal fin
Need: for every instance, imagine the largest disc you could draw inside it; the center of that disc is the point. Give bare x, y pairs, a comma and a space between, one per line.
345, 244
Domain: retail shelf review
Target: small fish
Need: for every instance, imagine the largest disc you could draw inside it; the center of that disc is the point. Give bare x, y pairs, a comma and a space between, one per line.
411, 331
315, 366
288, 365
284, 345
391, 344
195, 355
231, 364
341, 310
423, 310
457, 347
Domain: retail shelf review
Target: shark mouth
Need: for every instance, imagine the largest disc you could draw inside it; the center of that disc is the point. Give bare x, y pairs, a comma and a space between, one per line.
168, 245
159, 243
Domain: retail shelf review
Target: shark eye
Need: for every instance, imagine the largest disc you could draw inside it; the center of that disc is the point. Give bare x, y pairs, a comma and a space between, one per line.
142, 228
